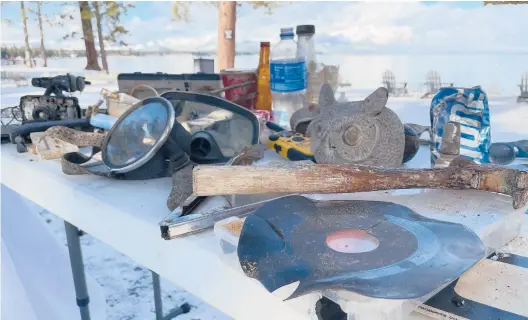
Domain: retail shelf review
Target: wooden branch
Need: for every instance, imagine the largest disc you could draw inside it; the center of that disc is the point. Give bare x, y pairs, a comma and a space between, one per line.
225, 180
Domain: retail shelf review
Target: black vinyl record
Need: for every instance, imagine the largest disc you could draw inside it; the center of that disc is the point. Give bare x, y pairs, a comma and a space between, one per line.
285, 241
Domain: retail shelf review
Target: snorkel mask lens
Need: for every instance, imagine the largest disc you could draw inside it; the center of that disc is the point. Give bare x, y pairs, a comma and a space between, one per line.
219, 129
138, 134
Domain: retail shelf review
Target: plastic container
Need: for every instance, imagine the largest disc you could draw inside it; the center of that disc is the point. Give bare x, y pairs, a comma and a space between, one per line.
245, 96
288, 80
306, 50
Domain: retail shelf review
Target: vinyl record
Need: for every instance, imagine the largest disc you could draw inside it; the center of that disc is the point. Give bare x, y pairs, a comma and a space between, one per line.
286, 241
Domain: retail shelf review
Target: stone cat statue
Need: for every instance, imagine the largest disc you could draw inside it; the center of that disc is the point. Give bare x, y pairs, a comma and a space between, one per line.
361, 132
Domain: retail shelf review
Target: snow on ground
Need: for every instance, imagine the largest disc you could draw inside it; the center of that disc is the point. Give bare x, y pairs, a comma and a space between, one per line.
127, 285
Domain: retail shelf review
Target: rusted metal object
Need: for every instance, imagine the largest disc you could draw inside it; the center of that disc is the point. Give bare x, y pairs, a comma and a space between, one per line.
215, 180
75, 137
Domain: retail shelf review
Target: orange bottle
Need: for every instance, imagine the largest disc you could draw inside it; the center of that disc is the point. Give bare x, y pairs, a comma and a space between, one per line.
263, 80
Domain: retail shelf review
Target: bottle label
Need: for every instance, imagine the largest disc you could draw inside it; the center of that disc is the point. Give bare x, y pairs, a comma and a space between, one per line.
288, 77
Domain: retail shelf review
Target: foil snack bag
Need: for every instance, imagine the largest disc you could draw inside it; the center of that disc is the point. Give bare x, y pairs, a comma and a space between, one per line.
467, 107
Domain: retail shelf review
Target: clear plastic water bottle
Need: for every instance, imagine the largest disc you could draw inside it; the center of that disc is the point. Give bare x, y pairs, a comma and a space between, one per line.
306, 49
288, 80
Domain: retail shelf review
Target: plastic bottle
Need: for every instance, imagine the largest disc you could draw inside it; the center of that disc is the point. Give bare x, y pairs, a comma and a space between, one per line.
287, 79
263, 81
306, 50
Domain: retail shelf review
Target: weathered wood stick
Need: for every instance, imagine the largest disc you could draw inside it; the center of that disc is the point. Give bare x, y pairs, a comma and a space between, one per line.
321, 178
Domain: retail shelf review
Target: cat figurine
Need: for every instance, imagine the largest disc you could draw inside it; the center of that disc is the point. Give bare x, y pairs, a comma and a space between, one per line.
360, 132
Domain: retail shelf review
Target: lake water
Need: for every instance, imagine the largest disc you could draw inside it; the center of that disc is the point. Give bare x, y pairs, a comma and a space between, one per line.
498, 74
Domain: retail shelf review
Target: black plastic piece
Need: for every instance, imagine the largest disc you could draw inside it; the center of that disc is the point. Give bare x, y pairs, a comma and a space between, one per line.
83, 302
204, 149
39, 126
412, 143
326, 309
274, 126
296, 155
305, 29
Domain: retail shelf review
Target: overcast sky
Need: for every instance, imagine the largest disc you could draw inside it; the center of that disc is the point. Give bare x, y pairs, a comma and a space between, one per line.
341, 27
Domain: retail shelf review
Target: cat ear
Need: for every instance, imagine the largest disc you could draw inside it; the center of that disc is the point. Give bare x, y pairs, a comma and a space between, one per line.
376, 101
326, 96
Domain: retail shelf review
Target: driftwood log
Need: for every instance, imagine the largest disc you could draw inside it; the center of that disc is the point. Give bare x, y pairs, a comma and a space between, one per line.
225, 180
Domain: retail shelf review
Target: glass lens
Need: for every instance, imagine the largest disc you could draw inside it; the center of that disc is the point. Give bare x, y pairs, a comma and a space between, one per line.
231, 131
137, 134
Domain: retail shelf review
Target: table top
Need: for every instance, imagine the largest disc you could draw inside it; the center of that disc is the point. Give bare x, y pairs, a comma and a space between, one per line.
125, 215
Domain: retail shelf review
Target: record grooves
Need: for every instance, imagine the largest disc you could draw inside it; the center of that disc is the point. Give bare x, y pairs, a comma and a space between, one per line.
285, 241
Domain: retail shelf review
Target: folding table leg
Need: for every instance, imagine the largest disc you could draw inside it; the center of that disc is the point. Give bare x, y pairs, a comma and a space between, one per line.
184, 308
157, 295
77, 266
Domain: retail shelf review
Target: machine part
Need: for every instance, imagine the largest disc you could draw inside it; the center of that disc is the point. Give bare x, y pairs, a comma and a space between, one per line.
360, 132
53, 105
403, 254
57, 85
49, 108
319, 178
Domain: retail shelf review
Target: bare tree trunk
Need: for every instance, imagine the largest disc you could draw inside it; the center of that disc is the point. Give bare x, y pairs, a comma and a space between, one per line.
225, 51
42, 49
102, 51
29, 56
86, 20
